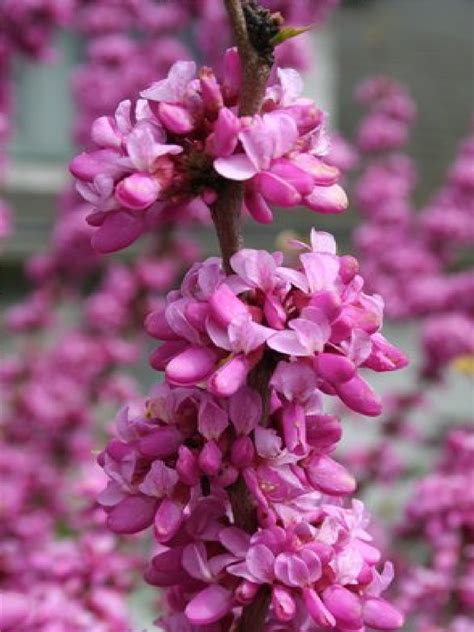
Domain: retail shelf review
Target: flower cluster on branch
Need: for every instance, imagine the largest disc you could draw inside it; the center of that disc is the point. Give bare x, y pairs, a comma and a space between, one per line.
166, 157
175, 463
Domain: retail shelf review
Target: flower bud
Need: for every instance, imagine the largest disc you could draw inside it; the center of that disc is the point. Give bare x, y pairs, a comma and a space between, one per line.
157, 326
242, 452
224, 139
137, 191
168, 519
210, 90
87, 166
230, 376
323, 431
132, 514
256, 206
360, 396
277, 190
176, 118
331, 199
187, 466
191, 366
329, 476
345, 606
283, 604
317, 610
381, 615
210, 458
225, 305
299, 179
246, 591
348, 268
334, 368
105, 133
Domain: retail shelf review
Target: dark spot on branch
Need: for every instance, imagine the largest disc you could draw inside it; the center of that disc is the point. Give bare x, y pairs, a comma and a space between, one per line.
262, 26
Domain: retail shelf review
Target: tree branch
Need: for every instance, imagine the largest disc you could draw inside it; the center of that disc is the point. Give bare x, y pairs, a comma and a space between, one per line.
256, 60
226, 212
256, 66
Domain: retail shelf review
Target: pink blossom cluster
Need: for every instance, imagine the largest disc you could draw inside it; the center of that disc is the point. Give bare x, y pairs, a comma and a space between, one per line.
106, 16
166, 158
391, 111
44, 390
173, 467
68, 585
54, 392
177, 459
77, 581
48, 425
441, 515
408, 256
447, 220
69, 257
28, 26
118, 65
49, 403
217, 328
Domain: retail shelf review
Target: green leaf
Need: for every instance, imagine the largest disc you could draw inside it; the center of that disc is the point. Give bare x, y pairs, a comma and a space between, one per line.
287, 32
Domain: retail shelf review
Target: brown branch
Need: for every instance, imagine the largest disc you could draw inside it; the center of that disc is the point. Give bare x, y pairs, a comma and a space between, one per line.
239, 26
226, 212
256, 66
256, 61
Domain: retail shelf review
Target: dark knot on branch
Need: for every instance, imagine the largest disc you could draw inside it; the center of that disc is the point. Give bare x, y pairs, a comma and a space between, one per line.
262, 27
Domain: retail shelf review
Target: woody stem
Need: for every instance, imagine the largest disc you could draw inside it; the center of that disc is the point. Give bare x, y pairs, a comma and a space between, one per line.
226, 215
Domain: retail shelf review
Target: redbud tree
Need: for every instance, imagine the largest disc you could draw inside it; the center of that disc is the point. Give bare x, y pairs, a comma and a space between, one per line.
229, 461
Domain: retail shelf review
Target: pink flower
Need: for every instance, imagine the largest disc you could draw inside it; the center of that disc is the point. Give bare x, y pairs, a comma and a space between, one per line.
184, 136
276, 170
216, 329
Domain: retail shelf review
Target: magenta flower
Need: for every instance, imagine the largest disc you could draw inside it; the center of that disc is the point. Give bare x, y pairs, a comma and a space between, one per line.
276, 169
316, 316
137, 177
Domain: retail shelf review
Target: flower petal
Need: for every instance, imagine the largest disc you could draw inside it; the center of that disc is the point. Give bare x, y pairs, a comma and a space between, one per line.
209, 606
236, 167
